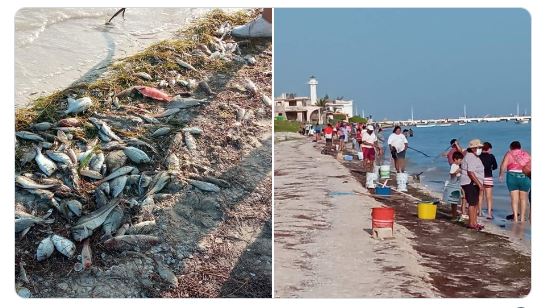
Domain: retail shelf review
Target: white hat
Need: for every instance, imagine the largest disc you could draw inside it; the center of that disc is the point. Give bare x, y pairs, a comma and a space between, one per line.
369, 127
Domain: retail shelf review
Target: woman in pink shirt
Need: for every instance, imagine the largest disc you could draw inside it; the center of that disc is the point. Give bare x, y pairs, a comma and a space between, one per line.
519, 184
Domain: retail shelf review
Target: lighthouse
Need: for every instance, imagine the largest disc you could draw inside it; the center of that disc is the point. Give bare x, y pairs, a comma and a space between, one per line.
313, 90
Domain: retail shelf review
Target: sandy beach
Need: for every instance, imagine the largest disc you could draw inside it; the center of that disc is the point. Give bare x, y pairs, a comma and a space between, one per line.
324, 248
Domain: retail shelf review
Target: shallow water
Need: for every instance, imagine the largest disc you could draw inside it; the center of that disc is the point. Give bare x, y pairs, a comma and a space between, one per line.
433, 141
55, 47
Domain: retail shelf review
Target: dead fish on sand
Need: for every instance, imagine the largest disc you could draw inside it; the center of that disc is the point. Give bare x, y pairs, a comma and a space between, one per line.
23, 223
78, 105
104, 128
29, 136
45, 164
161, 131
85, 225
204, 186
91, 174
63, 245
112, 222
69, 122
143, 75
42, 126
250, 86
190, 141
185, 65
193, 130
206, 88
86, 255
45, 249
59, 157
136, 155
25, 182
118, 172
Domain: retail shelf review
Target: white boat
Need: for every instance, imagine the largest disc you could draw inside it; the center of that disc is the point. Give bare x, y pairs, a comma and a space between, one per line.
425, 125
522, 121
444, 125
462, 123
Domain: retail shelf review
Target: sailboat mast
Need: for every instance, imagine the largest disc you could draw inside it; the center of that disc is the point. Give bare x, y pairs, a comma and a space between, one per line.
518, 111
465, 111
412, 114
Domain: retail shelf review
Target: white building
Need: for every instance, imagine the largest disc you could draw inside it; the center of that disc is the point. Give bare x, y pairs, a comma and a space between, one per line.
340, 106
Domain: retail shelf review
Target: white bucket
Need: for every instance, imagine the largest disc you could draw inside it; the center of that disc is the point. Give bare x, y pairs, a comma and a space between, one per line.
376, 171
370, 178
337, 147
385, 171
402, 181
360, 155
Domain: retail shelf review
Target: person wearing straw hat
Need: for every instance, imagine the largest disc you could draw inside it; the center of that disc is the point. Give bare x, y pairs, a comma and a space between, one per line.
369, 144
472, 178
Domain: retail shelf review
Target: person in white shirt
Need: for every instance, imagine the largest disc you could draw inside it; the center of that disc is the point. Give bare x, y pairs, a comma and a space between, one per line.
452, 190
398, 144
369, 144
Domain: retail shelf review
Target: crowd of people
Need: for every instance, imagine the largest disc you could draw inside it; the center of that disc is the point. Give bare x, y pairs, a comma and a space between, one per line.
470, 184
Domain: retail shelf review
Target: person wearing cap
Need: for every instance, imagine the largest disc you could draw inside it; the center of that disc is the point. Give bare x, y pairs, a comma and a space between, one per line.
472, 178
369, 143
398, 144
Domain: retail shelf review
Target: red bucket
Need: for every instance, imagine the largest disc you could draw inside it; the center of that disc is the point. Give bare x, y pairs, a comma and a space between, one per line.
382, 217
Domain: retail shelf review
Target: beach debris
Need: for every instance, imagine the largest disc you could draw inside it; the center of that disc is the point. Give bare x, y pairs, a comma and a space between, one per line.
204, 186
179, 102
266, 100
192, 130
251, 87
87, 256
185, 64
167, 113
45, 249
41, 126
144, 75
210, 179
85, 225
203, 85
153, 93
136, 155
128, 242
190, 141
161, 131
45, 164
250, 60
29, 136
158, 182
78, 105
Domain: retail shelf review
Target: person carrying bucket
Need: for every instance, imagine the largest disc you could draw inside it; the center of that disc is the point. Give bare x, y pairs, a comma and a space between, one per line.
472, 179
369, 144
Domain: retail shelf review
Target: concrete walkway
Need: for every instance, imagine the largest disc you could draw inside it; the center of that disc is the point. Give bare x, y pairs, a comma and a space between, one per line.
323, 244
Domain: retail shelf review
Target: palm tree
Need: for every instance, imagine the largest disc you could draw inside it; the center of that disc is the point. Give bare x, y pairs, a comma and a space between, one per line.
322, 101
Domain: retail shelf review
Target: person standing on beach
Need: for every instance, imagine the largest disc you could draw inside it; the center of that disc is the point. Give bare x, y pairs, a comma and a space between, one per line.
472, 181
369, 144
328, 134
452, 190
318, 129
455, 147
489, 164
517, 165
398, 144
380, 144
341, 136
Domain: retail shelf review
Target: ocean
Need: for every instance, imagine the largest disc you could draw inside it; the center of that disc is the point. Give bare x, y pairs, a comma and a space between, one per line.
435, 140
55, 47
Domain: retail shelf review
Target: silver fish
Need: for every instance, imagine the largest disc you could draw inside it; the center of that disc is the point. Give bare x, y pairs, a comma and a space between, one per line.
62, 136
182, 82
73, 178
96, 162
85, 156
250, 86
46, 165
105, 187
63, 245
23, 223
122, 230
70, 152
204, 186
132, 179
185, 65
250, 59
46, 145
68, 129
135, 141
147, 205
86, 255
206, 88
127, 242
85, 225
45, 249
117, 185
143, 75
190, 141
144, 227
29, 136
177, 142
27, 156
78, 105
118, 172
161, 131
167, 113
24, 182
240, 114
172, 162
104, 128
163, 84
112, 146
69, 122
100, 198
266, 100
74, 206
59, 157
112, 222
184, 102
91, 174
159, 181
61, 208
210, 179
42, 126
193, 130
136, 155
150, 119
103, 137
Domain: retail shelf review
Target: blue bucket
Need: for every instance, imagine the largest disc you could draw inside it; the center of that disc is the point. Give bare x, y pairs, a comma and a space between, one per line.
348, 157
383, 191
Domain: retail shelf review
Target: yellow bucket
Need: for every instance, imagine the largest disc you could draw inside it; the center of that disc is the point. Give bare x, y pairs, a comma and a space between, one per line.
426, 210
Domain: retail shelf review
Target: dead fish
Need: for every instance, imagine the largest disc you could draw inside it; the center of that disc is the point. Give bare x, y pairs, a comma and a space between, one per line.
85, 157
193, 130
192, 84
45, 164
159, 181
153, 93
132, 179
150, 119
23, 272
62, 137
69, 122
61, 208
29, 136
115, 102
182, 82
184, 102
112, 146
118, 172
145, 227
161, 131
86, 255
240, 114
144, 75
117, 185
68, 129
96, 162
190, 141
185, 65
100, 198
136, 141
42, 126
163, 84
45, 145
210, 179
104, 128
63, 245
147, 206
59, 157
205, 49
27, 156
127, 242
206, 88
45, 249
266, 100
172, 162
85, 225
167, 113
112, 222
23, 223
250, 86
105, 187
177, 142
167, 274
204, 186
122, 230
24, 182
78, 105
248, 115
91, 174
73, 177
74, 206
136, 155
250, 60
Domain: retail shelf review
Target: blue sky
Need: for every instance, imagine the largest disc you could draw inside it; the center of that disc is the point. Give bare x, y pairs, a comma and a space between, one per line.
387, 60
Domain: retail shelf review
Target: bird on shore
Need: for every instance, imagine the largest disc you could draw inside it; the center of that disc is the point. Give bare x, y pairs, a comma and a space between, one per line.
122, 11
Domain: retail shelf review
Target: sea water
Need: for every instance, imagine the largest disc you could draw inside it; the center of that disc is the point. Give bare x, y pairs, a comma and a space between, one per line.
434, 141
55, 47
